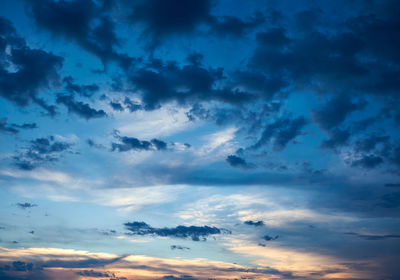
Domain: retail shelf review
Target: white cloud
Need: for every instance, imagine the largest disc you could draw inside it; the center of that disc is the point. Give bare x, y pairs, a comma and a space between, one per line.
152, 124
40, 174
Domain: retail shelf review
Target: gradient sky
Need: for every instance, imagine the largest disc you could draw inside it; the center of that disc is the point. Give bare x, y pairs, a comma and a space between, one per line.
199, 139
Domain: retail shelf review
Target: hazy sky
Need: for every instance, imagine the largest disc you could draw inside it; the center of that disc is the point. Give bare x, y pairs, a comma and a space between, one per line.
199, 139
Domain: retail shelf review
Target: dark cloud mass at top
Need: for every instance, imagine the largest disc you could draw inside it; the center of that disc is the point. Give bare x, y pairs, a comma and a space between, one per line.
83, 21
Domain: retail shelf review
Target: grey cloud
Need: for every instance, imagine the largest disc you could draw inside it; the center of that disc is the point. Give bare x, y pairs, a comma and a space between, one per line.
196, 233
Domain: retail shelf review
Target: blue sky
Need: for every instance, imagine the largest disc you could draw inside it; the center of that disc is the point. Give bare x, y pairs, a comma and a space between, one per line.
199, 139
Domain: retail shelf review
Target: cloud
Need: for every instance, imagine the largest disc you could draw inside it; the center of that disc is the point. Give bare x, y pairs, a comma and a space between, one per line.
158, 144
196, 233
26, 205
13, 128
131, 105
178, 247
25, 126
40, 151
370, 142
264, 86
22, 266
93, 144
54, 263
84, 22
252, 223
92, 273
162, 19
310, 51
368, 161
337, 138
234, 26
270, 238
161, 82
116, 106
25, 72
171, 16
390, 200
6, 128
393, 185
236, 161
372, 237
79, 108
335, 111
84, 90
281, 132
131, 143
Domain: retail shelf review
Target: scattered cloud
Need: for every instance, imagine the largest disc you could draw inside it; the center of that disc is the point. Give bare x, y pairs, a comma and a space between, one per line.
196, 233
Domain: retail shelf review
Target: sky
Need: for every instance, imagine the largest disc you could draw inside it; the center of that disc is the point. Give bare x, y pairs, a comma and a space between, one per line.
199, 139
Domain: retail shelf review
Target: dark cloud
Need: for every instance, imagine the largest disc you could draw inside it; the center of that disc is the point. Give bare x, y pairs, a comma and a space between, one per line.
40, 151
281, 132
25, 72
337, 138
178, 247
184, 17
25, 126
351, 54
116, 106
374, 237
370, 142
84, 90
131, 105
93, 144
256, 224
158, 144
390, 200
22, 266
305, 59
392, 185
368, 161
196, 233
26, 205
234, 26
236, 161
273, 39
81, 263
361, 125
131, 143
92, 273
6, 128
172, 16
335, 111
13, 128
394, 156
270, 238
83, 21
264, 86
162, 19
79, 108
160, 83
